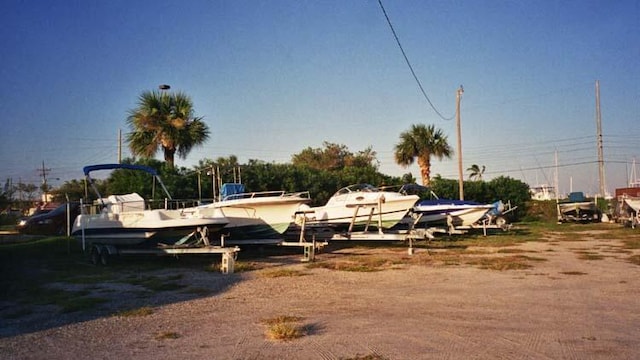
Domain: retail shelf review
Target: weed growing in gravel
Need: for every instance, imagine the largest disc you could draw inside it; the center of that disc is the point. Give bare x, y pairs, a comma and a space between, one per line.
518, 262
366, 357
573, 273
282, 273
143, 311
589, 255
284, 327
167, 335
359, 264
635, 259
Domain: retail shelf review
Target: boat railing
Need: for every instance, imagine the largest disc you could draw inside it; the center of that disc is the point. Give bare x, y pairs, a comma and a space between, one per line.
260, 194
100, 207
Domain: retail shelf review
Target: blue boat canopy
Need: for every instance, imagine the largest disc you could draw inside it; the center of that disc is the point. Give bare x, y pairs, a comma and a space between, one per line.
90, 168
229, 189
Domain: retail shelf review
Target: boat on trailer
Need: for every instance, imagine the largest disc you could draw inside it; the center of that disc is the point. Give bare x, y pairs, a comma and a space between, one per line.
577, 208
128, 220
255, 217
438, 212
356, 205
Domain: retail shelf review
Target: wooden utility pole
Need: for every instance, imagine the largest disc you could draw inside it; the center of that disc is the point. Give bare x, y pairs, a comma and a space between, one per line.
599, 140
460, 174
43, 173
119, 146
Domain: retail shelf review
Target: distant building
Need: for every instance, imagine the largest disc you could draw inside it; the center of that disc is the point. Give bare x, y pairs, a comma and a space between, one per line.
543, 192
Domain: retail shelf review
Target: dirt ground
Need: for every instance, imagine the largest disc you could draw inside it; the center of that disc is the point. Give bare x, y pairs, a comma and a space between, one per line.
570, 306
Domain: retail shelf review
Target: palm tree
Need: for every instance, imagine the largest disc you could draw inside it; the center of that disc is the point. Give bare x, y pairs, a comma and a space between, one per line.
167, 121
476, 172
422, 142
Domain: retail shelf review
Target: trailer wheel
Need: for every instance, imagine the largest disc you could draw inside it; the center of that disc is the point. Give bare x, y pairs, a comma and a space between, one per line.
94, 255
104, 257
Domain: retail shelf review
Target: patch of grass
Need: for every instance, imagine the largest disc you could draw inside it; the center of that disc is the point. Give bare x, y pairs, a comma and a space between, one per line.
196, 290
635, 259
80, 304
573, 273
366, 357
23, 311
518, 262
511, 251
139, 312
588, 255
284, 327
155, 283
282, 273
167, 335
245, 266
358, 264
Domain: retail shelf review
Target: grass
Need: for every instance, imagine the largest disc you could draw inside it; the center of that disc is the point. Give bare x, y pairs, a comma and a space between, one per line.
282, 273
167, 335
573, 273
589, 255
55, 271
635, 259
284, 327
366, 357
139, 312
518, 262
358, 263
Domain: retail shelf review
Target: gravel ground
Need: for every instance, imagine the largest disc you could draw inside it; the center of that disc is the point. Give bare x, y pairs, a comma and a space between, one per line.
565, 307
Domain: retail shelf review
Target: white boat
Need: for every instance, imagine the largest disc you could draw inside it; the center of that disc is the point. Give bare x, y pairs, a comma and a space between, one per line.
633, 203
578, 208
438, 212
128, 220
255, 217
543, 192
362, 204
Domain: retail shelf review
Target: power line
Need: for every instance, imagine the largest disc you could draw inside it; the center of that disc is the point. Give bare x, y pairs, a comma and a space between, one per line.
424, 93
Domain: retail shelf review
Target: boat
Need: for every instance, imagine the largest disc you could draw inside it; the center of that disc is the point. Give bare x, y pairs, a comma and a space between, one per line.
543, 192
577, 208
129, 219
450, 212
360, 206
255, 217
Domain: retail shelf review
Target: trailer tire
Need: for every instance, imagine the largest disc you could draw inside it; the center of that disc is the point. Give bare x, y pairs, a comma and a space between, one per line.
104, 257
94, 255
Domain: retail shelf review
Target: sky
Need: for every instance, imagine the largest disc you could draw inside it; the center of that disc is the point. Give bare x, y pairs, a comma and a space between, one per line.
271, 78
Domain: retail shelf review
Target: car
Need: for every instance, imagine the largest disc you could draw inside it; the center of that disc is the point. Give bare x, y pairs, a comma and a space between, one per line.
53, 222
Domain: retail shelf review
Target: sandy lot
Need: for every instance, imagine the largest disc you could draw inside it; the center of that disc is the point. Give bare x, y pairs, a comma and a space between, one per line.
569, 306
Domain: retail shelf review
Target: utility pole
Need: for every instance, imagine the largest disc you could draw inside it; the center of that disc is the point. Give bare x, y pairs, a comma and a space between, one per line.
119, 146
599, 140
460, 174
43, 173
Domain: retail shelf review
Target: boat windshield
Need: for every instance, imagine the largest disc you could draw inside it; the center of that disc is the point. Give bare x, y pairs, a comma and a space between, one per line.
357, 188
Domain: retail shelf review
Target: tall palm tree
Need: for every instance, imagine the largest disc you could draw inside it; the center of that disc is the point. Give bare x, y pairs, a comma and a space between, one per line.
167, 121
476, 172
422, 142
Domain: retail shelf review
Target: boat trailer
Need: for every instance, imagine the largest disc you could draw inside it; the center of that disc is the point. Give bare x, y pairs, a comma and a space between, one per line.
197, 242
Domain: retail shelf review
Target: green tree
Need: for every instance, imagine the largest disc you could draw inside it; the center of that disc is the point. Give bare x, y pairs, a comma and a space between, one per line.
422, 142
165, 121
334, 157
476, 172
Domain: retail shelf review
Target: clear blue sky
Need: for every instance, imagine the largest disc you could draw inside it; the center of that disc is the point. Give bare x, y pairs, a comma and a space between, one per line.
273, 77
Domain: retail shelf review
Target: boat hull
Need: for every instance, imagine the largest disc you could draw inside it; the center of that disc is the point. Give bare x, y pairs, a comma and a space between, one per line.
358, 209
256, 220
444, 213
141, 228
578, 211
